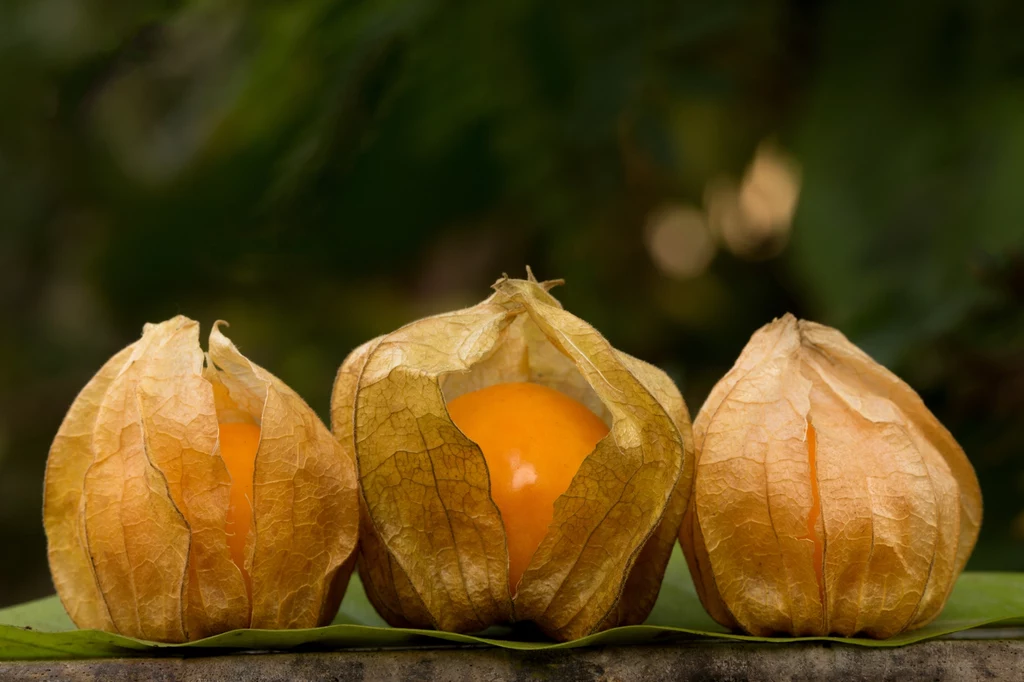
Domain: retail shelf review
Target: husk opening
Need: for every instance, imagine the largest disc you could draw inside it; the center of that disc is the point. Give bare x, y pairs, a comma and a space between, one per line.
433, 542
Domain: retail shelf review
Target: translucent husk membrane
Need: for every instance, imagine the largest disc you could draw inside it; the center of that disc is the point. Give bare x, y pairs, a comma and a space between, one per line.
136, 497
433, 550
827, 499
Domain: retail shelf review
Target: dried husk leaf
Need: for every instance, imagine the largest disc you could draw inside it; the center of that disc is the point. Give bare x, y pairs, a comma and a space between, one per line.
137, 528
305, 507
137, 495
70, 457
644, 582
179, 419
805, 415
385, 583
433, 548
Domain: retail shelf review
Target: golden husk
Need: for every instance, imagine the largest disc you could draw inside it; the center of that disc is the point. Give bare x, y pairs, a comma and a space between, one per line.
433, 550
804, 415
136, 497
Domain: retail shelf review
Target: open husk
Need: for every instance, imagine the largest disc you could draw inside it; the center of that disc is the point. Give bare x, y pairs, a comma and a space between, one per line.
432, 549
827, 498
136, 497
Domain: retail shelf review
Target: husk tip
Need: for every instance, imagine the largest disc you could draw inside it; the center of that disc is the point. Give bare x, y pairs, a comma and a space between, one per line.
545, 286
173, 323
216, 335
788, 318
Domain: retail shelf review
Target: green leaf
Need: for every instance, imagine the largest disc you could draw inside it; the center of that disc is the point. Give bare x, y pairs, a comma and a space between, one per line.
42, 630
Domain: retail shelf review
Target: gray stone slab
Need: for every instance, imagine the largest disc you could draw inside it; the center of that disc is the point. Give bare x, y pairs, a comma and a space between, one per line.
933, 660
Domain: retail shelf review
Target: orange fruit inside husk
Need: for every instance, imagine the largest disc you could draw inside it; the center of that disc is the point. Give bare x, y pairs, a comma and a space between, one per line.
238, 444
533, 439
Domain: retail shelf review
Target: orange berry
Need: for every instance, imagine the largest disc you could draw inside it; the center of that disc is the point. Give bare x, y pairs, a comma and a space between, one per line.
534, 439
238, 445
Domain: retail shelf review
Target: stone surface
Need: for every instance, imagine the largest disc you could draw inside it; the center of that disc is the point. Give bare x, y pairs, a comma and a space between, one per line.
933, 660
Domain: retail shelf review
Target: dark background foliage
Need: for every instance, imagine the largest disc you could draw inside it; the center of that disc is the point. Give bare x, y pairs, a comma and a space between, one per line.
320, 171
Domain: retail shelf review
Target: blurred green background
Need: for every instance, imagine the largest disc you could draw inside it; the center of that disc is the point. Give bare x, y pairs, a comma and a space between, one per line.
320, 171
